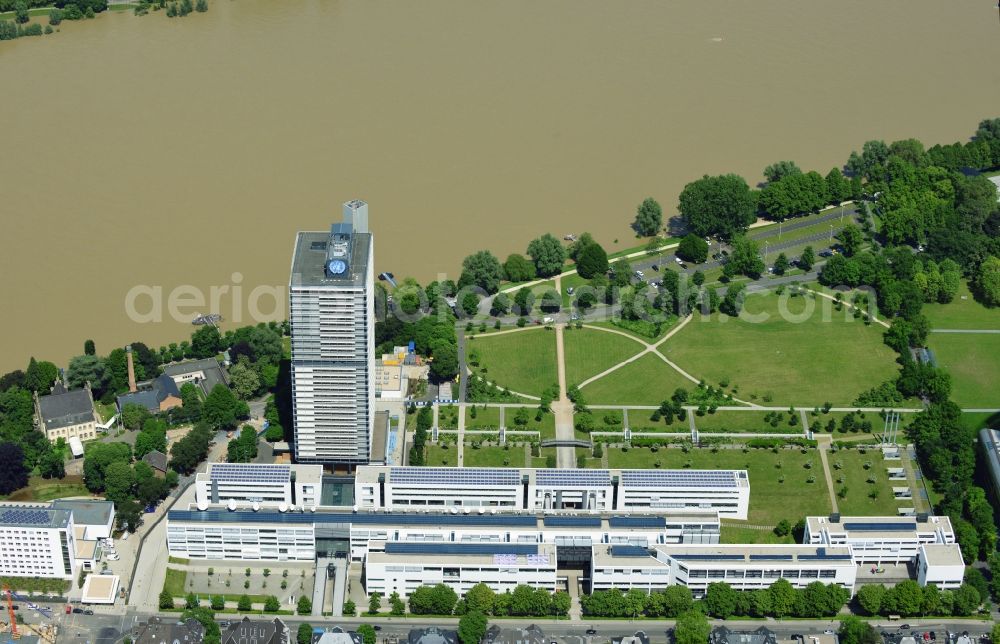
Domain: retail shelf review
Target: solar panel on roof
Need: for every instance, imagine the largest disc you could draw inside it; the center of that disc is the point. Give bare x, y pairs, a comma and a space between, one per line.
680, 478
451, 476
637, 522
771, 557
580, 478
425, 548
578, 522
25, 516
695, 557
824, 557
249, 473
326, 518
880, 527
629, 551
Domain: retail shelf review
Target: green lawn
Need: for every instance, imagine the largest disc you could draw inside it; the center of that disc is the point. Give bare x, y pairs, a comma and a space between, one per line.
771, 500
573, 281
963, 312
546, 427
746, 422
973, 360
979, 420
437, 456
855, 478
493, 456
803, 361
733, 533
646, 381
448, 417
40, 489
486, 418
175, 582
589, 352
524, 361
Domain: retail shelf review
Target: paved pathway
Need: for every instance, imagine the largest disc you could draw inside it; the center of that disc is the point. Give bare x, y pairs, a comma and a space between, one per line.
919, 502
562, 409
460, 441
824, 443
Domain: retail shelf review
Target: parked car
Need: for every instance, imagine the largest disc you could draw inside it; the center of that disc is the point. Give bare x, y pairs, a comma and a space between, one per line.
591, 631
904, 627
570, 290
87, 611
678, 260
113, 557
655, 267
78, 611
125, 536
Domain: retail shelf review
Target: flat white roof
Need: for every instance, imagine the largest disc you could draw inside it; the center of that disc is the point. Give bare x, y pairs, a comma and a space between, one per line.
100, 589
943, 554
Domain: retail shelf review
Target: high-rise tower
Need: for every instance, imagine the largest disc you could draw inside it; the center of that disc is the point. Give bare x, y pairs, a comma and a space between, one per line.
332, 315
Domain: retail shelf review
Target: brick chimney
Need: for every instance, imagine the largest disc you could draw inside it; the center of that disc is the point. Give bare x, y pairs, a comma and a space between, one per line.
131, 369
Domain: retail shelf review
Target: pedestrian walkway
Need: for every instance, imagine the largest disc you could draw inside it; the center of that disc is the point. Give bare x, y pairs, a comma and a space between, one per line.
823, 443
562, 409
460, 446
919, 502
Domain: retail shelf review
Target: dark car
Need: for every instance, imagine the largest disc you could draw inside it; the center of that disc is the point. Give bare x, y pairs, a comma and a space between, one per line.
377, 627
904, 627
655, 267
78, 611
826, 253
591, 631
87, 611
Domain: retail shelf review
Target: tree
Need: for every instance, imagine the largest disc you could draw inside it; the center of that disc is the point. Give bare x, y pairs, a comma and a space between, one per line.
870, 598
84, 369
732, 304
500, 305
305, 633
481, 269
367, 633
220, 407
350, 608
244, 380
648, 218
166, 600
445, 364
119, 481
39, 376
548, 254
480, 598
987, 281
218, 602
783, 528
396, 604
304, 606
21, 12
100, 456
720, 600
244, 603
201, 6
722, 205
693, 249
783, 598
905, 598
745, 259
807, 258
838, 187
692, 627
781, 264
854, 630
375, 603
206, 341
698, 278
472, 627
850, 239
591, 261
51, 465
133, 415
272, 605
517, 268
470, 304
781, 169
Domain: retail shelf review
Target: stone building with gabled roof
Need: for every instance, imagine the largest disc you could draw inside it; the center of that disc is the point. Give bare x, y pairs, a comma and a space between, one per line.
67, 413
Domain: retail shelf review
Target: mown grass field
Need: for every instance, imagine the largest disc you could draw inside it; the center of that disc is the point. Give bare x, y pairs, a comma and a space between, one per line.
973, 360
776, 493
40, 489
646, 381
486, 418
746, 422
855, 479
524, 361
964, 312
792, 358
589, 352
448, 416
438, 456
493, 456
546, 427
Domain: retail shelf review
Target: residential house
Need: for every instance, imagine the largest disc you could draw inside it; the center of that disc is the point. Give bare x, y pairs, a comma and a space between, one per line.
156, 460
166, 630
432, 635
203, 373
157, 395
249, 631
723, 635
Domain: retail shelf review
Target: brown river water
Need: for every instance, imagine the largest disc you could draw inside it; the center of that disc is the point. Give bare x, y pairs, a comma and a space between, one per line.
184, 154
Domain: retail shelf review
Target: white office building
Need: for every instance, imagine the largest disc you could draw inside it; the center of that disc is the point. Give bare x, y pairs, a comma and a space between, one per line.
726, 492
245, 485
941, 565
402, 567
36, 541
331, 311
744, 567
880, 540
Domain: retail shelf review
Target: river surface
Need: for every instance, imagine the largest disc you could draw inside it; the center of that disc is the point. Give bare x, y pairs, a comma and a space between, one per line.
187, 152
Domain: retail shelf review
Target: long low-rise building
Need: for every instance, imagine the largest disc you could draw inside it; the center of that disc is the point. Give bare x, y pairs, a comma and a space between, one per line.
246, 485
744, 567
219, 533
880, 540
541, 490
402, 567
